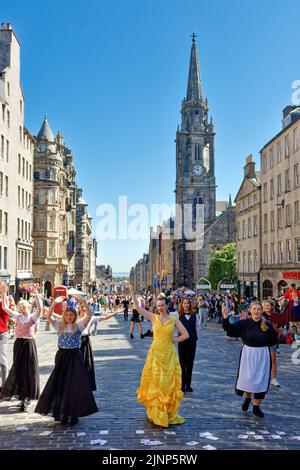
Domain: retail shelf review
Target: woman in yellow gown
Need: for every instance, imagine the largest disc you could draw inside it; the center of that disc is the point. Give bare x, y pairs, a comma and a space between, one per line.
160, 389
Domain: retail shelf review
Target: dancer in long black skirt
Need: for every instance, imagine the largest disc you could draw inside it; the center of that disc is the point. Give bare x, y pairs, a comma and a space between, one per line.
254, 372
23, 379
86, 346
67, 394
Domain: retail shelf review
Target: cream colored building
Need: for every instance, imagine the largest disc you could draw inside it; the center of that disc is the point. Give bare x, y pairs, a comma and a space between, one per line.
54, 211
248, 219
16, 169
280, 212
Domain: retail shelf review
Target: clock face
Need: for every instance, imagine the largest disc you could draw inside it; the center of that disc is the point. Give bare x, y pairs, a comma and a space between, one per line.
198, 170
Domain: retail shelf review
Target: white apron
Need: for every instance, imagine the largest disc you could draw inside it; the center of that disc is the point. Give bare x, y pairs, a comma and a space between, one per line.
254, 369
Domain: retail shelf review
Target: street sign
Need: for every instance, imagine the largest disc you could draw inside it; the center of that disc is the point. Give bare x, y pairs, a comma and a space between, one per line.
227, 286
203, 286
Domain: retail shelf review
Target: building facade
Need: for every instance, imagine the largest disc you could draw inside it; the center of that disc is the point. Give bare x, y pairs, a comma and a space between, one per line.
16, 170
248, 216
54, 211
280, 212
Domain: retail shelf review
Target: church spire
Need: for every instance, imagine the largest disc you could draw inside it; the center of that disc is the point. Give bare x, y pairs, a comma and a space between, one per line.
194, 88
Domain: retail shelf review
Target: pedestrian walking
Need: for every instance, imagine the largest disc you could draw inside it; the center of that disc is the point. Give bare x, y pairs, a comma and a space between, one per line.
23, 378
187, 348
203, 306
135, 319
67, 394
125, 303
254, 369
160, 388
4, 335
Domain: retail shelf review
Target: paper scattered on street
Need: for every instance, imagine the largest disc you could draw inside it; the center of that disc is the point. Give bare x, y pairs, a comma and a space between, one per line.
98, 441
275, 436
80, 434
45, 433
148, 442
205, 434
139, 432
296, 437
281, 433
213, 438
192, 443
22, 428
103, 432
208, 447
264, 432
251, 433
258, 437
170, 433
243, 436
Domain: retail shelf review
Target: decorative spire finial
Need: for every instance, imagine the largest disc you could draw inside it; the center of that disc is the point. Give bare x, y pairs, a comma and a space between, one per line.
193, 36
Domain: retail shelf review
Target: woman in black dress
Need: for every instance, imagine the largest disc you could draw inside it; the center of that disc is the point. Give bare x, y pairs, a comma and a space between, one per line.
254, 371
135, 319
187, 348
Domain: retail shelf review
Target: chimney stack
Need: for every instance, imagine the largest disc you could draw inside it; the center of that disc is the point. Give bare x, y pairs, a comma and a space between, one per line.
9, 26
249, 168
3, 26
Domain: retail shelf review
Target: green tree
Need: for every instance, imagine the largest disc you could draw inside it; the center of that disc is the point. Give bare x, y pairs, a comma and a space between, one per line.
222, 264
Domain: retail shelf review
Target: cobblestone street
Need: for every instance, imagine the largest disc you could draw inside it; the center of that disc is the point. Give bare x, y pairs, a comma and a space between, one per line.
212, 407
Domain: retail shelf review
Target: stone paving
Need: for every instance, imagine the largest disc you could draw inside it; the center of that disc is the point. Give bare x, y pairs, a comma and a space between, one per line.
212, 407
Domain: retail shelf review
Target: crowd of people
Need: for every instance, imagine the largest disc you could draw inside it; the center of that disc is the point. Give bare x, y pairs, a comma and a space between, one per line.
167, 374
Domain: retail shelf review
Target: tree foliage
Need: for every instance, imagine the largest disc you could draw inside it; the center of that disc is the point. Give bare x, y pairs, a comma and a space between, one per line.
222, 264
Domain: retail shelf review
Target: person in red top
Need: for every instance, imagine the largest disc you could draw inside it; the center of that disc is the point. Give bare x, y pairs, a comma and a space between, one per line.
292, 294
4, 317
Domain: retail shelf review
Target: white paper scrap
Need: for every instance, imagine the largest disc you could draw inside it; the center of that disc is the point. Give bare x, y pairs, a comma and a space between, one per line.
281, 433
205, 434
243, 436
192, 443
148, 442
264, 432
258, 437
22, 428
103, 432
170, 433
275, 436
80, 434
139, 432
98, 441
213, 438
208, 447
251, 433
296, 437
45, 433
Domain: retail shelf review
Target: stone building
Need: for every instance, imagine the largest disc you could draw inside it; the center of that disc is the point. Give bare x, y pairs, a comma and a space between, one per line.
16, 169
54, 222
86, 246
280, 212
248, 216
196, 183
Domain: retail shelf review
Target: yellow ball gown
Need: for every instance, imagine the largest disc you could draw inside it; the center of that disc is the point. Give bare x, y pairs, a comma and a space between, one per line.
160, 389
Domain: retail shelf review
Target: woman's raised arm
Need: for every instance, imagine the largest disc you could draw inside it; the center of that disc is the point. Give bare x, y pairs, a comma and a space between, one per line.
142, 311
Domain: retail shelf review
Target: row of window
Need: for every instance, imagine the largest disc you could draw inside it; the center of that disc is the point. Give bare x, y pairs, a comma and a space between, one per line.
287, 183
3, 257
24, 229
24, 168
24, 260
284, 252
5, 115
25, 140
47, 195
3, 222
3, 185
41, 249
24, 198
4, 148
284, 217
248, 261
268, 159
41, 222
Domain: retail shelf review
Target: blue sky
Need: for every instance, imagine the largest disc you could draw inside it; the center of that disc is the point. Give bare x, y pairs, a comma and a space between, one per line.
111, 77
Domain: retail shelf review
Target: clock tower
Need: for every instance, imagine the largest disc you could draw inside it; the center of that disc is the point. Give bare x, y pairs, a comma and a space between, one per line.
195, 163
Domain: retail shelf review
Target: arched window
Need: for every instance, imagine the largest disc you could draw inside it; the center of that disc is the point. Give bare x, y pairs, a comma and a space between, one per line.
267, 289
